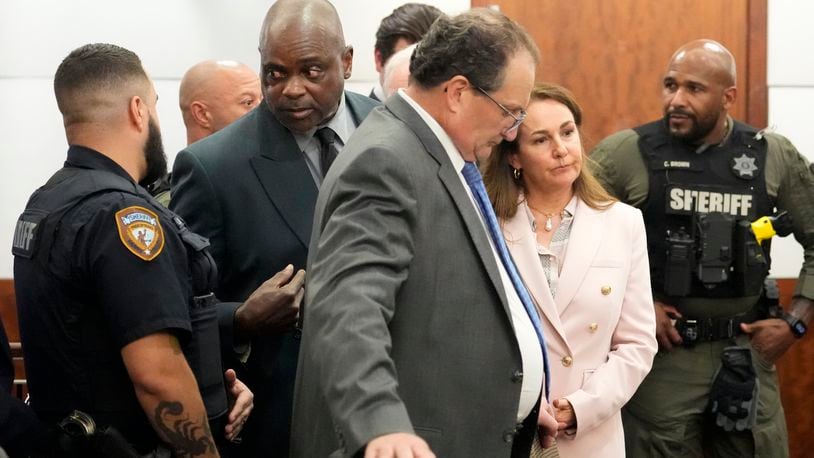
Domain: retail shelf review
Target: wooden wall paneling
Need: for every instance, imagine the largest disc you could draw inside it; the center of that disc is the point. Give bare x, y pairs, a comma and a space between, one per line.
797, 385
612, 54
8, 309
756, 90
8, 315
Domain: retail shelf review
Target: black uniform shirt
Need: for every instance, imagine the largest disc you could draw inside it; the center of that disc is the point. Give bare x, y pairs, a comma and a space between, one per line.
105, 286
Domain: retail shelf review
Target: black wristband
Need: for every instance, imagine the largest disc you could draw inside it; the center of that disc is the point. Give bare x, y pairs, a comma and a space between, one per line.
798, 326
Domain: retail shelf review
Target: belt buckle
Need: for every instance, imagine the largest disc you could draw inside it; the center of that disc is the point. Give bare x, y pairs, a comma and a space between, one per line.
689, 332
204, 300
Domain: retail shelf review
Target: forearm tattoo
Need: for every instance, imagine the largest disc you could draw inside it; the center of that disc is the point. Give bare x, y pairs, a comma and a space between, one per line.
185, 436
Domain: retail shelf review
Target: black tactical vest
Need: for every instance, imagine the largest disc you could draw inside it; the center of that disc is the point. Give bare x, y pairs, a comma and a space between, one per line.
693, 197
35, 235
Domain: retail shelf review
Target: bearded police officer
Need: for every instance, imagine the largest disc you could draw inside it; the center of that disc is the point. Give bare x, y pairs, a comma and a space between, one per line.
701, 178
120, 338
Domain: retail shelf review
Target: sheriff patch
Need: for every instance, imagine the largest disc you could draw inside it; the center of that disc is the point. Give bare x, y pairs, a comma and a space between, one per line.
140, 232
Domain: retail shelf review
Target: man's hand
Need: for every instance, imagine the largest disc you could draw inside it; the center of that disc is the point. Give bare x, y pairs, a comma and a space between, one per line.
666, 332
398, 445
546, 424
242, 400
564, 414
274, 306
770, 338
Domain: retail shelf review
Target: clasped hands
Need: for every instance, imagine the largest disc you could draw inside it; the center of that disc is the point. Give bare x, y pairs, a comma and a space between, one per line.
553, 419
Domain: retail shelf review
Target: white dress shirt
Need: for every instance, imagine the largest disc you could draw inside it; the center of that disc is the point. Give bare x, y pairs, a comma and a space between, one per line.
530, 351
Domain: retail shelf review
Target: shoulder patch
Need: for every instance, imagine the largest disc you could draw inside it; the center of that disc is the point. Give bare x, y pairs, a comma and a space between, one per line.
140, 232
26, 233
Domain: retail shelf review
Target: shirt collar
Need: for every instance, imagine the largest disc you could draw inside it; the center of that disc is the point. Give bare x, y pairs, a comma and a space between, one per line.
450, 148
87, 158
341, 123
378, 91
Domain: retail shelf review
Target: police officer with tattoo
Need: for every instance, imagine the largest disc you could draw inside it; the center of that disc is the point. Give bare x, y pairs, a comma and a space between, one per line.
119, 330
708, 186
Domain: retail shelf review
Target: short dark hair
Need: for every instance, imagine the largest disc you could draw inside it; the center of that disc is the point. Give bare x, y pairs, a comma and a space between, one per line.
94, 67
476, 44
410, 21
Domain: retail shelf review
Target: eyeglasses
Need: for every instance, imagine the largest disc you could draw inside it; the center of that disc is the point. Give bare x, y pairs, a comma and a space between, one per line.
517, 119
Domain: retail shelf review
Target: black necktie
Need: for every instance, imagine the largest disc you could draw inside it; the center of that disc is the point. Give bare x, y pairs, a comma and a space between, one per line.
327, 148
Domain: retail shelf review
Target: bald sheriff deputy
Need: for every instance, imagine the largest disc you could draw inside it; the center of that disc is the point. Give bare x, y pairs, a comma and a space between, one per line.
700, 178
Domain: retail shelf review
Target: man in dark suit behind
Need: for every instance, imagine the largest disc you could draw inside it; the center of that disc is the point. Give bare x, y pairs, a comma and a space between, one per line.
416, 338
251, 189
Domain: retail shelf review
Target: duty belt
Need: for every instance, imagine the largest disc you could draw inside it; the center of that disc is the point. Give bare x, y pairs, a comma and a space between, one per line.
693, 331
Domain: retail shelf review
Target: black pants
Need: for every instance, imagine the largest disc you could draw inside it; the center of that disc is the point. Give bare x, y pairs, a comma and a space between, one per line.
526, 433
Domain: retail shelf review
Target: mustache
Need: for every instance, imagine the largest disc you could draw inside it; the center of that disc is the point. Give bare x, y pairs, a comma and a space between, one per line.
679, 111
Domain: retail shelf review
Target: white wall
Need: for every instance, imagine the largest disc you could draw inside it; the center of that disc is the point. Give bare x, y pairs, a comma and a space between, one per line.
169, 36
791, 93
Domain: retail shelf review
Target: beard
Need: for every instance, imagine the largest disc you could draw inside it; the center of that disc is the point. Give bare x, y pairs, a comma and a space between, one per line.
154, 154
698, 130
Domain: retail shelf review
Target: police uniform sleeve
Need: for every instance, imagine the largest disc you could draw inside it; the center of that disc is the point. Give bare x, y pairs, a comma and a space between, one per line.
618, 165
137, 268
790, 179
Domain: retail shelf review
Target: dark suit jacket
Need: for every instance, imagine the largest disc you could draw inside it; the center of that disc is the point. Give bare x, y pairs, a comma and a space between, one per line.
406, 323
248, 189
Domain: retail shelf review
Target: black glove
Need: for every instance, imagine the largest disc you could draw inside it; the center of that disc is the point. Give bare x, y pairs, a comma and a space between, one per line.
733, 397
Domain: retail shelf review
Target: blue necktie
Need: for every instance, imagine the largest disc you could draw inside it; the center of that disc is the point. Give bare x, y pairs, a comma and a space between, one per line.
475, 182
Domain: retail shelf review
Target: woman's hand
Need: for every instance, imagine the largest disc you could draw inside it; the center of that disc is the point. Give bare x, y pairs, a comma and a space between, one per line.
564, 413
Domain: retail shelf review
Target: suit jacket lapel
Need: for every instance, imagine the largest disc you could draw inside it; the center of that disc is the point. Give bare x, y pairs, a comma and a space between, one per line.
523, 246
579, 256
284, 175
449, 178
359, 106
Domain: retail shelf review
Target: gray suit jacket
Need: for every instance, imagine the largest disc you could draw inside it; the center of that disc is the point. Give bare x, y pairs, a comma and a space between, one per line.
406, 325
248, 189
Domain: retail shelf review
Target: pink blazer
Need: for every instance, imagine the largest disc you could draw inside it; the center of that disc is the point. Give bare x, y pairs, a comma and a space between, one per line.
600, 329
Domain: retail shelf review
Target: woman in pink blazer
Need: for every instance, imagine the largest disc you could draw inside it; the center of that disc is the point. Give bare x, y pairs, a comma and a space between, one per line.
583, 257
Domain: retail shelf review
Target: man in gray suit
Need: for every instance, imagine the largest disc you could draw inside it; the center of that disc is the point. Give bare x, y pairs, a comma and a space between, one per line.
416, 341
251, 188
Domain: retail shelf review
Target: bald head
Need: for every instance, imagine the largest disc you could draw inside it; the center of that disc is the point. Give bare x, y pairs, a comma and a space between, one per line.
709, 57
304, 63
698, 92
214, 94
397, 71
286, 16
